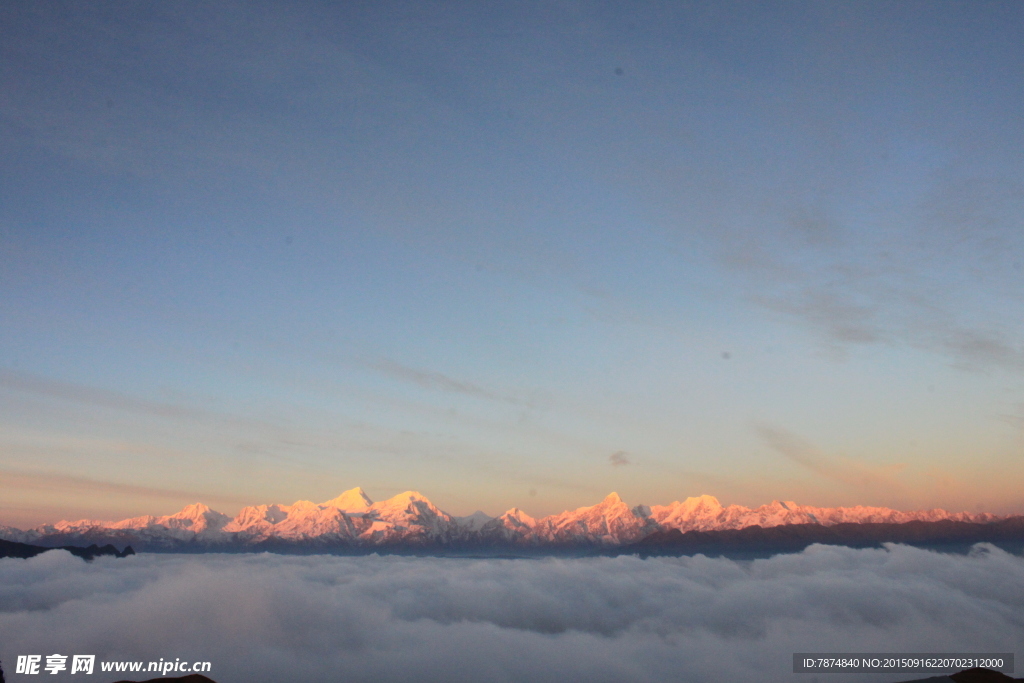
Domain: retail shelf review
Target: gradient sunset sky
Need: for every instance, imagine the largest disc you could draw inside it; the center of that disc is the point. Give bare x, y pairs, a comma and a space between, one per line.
510, 254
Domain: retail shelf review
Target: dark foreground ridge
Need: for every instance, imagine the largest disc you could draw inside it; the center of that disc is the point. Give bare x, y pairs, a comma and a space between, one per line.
191, 678
970, 676
25, 551
789, 538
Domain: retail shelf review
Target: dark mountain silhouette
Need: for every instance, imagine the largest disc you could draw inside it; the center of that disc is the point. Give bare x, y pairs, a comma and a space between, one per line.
755, 540
25, 551
191, 678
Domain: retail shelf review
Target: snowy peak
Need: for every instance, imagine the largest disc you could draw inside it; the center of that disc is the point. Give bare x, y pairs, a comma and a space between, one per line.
196, 518
407, 518
256, 516
693, 506
517, 515
514, 526
193, 511
473, 522
410, 519
405, 499
409, 503
704, 502
351, 501
610, 522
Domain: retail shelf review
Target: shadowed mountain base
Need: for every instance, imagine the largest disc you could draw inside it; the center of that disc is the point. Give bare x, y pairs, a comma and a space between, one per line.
792, 538
25, 550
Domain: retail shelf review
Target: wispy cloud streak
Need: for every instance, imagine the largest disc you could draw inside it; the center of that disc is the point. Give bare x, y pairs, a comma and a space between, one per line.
841, 470
79, 393
62, 483
437, 381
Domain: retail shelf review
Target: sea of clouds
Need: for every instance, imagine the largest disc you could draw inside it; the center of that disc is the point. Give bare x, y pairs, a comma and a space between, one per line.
263, 618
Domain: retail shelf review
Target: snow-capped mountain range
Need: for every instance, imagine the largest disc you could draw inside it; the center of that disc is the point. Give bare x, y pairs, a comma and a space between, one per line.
352, 520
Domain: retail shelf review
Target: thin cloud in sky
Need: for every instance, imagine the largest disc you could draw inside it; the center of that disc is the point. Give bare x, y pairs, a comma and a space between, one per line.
841, 320
937, 271
49, 482
978, 348
254, 434
78, 393
841, 470
619, 458
429, 379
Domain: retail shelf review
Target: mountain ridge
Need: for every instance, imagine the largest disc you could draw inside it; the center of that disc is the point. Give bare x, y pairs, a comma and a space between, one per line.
409, 519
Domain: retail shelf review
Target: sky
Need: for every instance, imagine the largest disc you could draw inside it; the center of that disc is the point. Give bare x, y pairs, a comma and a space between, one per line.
517, 254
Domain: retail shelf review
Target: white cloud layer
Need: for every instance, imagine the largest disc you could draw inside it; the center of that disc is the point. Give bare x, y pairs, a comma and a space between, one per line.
262, 618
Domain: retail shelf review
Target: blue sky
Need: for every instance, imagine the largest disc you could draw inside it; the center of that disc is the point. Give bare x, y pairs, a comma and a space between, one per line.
254, 253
